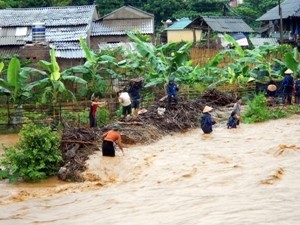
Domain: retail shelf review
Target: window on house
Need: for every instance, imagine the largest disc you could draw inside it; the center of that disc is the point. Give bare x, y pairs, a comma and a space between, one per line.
21, 31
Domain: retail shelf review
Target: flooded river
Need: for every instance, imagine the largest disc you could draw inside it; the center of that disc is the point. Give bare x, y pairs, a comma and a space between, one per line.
7, 140
244, 176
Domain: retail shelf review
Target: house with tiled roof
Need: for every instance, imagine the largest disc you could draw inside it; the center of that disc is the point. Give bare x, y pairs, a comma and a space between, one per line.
179, 31
31, 32
110, 30
290, 21
58, 27
201, 28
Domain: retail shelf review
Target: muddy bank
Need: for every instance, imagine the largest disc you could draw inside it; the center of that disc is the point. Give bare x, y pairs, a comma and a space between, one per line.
78, 144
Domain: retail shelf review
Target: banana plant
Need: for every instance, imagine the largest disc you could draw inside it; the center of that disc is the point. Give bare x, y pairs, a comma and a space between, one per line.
16, 79
291, 60
96, 68
1, 66
53, 81
163, 62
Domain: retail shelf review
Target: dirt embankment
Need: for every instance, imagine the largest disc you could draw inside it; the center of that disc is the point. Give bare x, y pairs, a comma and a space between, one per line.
79, 143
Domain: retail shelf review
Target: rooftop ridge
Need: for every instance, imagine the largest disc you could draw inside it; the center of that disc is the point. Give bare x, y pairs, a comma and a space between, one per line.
48, 7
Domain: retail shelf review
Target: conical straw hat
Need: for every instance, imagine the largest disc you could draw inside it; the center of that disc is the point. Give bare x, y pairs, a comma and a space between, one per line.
207, 109
272, 87
251, 79
288, 71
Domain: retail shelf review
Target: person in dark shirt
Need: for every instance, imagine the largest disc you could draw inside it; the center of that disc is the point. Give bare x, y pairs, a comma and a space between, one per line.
271, 93
206, 120
172, 90
297, 89
134, 92
232, 120
287, 85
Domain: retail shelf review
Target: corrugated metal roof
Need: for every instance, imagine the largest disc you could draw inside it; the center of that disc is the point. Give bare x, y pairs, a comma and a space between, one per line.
65, 33
124, 9
51, 16
240, 38
125, 45
120, 27
289, 8
9, 51
180, 24
11, 41
61, 33
227, 24
70, 54
68, 50
8, 36
65, 25
263, 41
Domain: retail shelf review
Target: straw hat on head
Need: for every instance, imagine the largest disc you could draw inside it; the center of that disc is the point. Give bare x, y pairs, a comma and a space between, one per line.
251, 79
272, 87
207, 109
288, 71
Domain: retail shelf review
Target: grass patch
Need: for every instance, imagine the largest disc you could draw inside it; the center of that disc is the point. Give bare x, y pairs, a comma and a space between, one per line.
258, 110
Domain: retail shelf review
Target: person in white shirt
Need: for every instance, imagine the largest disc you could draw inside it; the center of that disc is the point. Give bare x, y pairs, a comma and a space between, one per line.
124, 99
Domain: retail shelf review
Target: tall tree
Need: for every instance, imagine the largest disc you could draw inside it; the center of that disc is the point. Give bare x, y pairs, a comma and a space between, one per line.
107, 6
252, 9
33, 3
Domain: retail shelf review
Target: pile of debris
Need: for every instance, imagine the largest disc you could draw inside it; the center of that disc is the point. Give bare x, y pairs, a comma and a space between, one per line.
76, 146
78, 143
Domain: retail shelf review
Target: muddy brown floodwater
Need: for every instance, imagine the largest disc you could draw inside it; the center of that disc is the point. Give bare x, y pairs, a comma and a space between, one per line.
244, 176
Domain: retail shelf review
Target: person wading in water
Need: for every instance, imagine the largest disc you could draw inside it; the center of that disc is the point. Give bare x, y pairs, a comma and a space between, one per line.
109, 138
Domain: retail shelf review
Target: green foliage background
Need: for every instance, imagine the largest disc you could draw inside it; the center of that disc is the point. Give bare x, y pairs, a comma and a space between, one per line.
81, 118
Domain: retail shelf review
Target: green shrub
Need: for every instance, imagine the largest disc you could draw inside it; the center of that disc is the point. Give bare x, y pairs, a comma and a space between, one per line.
35, 157
118, 112
293, 109
82, 118
258, 110
277, 113
103, 117
76, 118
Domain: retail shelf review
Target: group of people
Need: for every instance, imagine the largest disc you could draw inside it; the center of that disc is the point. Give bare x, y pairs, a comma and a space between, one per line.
289, 88
131, 99
207, 122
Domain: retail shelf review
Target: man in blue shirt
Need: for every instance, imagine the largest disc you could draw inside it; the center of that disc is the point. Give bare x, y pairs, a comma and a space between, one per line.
172, 90
288, 85
134, 90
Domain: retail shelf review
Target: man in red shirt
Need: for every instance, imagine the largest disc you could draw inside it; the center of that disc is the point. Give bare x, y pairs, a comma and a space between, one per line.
95, 104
